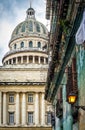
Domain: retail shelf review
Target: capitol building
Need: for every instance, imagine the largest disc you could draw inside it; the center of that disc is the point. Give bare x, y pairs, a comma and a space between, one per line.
23, 78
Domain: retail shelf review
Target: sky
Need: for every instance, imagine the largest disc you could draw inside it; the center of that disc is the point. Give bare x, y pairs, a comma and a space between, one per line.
12, 12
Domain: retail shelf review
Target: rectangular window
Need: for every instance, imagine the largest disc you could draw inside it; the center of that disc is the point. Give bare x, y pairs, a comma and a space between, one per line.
30, 98
48, 118
30, 117
11, 98
11, 117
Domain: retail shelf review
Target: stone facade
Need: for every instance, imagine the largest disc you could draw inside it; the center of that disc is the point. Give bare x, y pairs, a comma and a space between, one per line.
23, 74
23, 77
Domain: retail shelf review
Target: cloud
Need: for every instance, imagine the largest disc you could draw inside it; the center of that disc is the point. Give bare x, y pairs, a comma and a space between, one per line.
5, 32
7, 25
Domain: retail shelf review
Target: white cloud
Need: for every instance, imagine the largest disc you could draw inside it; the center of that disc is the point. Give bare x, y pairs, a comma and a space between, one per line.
6, 28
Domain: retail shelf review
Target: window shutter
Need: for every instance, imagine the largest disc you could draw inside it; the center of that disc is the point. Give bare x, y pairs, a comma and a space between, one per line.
74, 72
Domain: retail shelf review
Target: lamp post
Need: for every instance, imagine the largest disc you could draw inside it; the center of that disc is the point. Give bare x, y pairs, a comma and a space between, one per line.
72, 97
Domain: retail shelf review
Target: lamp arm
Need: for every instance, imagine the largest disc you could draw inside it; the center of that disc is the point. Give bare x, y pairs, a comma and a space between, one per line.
82, 107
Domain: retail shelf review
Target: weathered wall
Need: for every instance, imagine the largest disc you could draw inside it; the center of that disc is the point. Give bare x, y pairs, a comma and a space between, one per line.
81, 84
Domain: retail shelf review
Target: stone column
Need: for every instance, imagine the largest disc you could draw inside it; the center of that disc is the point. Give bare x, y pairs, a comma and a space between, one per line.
27, 59
36, 109
4, 109
0, 107
33, 59
42, 110
12, 61
17, 109
44, 60
39, 60
22, 60
23, 109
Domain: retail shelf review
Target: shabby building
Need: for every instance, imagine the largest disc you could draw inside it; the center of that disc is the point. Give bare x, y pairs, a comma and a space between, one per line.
65, 87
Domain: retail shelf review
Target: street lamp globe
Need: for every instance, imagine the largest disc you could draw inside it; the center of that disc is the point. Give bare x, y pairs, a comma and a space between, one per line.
72, 97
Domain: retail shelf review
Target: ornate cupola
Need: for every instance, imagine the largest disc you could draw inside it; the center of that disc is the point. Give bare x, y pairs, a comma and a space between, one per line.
30, 13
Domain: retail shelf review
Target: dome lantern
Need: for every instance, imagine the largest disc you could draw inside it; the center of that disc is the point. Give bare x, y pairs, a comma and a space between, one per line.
30, 13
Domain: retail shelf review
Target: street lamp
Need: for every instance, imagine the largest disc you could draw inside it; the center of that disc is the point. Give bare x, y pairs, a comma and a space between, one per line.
72, 97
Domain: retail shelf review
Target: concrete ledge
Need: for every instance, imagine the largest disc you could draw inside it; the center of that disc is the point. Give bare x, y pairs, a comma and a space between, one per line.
25, 128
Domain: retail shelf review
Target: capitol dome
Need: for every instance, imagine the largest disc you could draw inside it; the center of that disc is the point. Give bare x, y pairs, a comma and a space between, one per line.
29, 27
28, 44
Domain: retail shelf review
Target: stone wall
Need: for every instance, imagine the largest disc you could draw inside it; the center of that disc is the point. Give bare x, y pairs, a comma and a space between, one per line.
23, 75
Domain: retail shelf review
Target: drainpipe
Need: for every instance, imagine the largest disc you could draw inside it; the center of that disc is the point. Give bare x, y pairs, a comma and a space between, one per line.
64, 108
69, 118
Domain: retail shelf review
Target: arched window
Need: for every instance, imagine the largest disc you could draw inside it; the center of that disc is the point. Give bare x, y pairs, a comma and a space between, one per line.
39, 45
15, 46
37, 27
22, 44
30, 26
30, 44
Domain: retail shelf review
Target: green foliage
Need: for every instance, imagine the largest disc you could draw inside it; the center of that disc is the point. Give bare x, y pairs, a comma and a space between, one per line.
66, 26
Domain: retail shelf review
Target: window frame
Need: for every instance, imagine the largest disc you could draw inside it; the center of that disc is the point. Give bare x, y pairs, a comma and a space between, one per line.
30, 118
30, 98
15, 46
11, 98
22, 44
11, 118
48, 118
39, 44
30, 44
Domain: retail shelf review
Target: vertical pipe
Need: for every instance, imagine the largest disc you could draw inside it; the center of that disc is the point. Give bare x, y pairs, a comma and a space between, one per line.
69, 118
64, 108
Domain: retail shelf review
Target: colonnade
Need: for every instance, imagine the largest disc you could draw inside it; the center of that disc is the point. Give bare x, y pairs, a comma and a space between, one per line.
20, 111
27, 60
